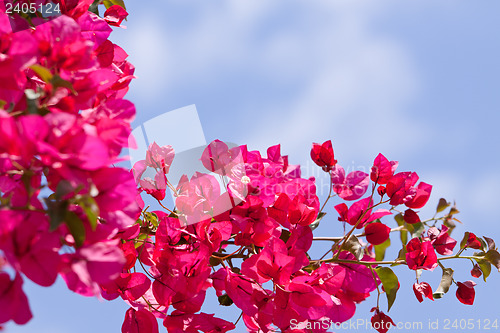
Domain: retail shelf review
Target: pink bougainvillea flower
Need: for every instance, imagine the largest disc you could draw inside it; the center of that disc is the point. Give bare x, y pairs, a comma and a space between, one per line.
130, 286
139, 321
94, 28
273, 262
290, 212
377, 233
420, 255
465, 292
13, 301
421, 197
160, 157
90, 265
253, 222
219, 158
381, 322
157, 187
117, 197
114, 15
310, 302
199, 198
382, 170
422, 290
400, 187
353, 186
75, 9
323, 155
238, 287
178, 322
473, 242
441, 240
300, 213
476, 271
215, 157
359, 213
381, 190
358, 282
411, 217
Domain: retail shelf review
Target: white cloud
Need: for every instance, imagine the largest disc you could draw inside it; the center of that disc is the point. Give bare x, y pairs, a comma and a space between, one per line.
352, 80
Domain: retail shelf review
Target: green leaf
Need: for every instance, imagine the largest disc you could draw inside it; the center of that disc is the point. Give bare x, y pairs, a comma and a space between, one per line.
490, 242
401, 255
390, 282
444, 285
416, 229
285, 235
225, 300
310, 268
152, 218
142, 237
450, 224
354, 246
90, 208
464, 240
42, 72
109, 3
442, 205
485, 267
57, 212
380, 249
453, 210
494, 258
484, 246
403, 233
76, 227
58, 82
32, 101
315, 224
64, 188
94, 7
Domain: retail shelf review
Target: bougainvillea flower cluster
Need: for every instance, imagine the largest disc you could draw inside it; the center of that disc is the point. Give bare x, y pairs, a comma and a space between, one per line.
255, 253
63, 123
243, 230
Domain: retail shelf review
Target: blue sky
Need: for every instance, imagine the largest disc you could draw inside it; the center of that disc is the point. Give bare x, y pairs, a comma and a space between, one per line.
416, 80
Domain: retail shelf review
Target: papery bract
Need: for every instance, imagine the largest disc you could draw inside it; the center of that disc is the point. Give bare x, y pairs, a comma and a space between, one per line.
353, 187
441, 240
377, 233
465, 292
381, 322
420, 255
382, 170
13, 301
160, 157
476, 271
400, 187
114, 15
138, 321
423, 192
359, 213
422, 290
473, 242
323, 155
411, 217
179, 322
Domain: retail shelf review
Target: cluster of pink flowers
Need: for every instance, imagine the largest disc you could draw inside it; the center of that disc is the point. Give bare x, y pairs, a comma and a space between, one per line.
245, 228
63, 123
249, 240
